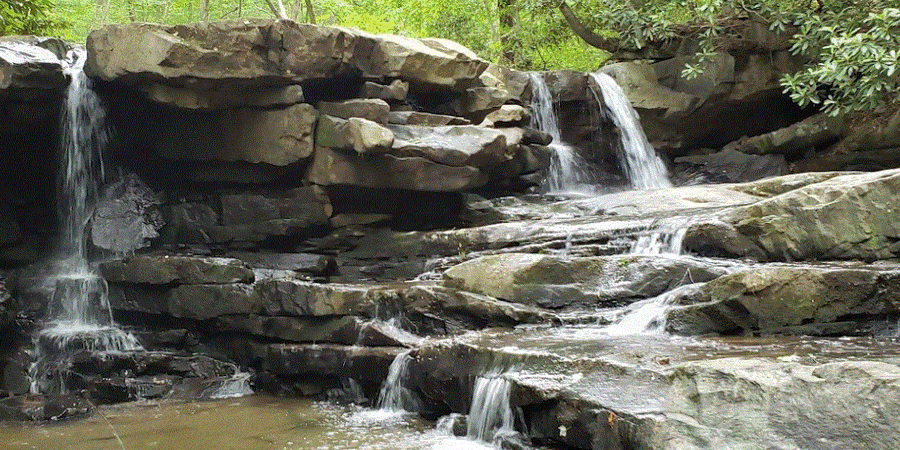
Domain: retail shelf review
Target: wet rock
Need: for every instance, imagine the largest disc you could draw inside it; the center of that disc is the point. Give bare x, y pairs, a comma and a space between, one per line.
479, 101
14, 377
375, 333
127, 217
734, 166
9, 307
772, 298
556, 282
366, 364
849, 216
424, 119
397, 90
176, 269
360, 135
274, 136
331, 167
337, 329
65, 406
305, 206
372, 109
313, 264
302, 298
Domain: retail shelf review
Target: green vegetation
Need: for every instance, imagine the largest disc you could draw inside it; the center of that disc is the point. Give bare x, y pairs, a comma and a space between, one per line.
852, 46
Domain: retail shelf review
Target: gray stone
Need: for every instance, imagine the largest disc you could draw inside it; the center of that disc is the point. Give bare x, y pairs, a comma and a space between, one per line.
386, 171
278, 136
336, 330
817, 131
364, 364
378, 334
371, 109
556, 282
397, 90
303, 203
251, 96
302, 298
176, 269
28, 66
733, 166
297, 262
360, 135
456, 145
127, 217
207, 301
767, 299
507, 116
424, 119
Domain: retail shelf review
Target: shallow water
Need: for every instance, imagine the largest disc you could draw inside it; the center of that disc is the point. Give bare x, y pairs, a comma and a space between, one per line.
250, 423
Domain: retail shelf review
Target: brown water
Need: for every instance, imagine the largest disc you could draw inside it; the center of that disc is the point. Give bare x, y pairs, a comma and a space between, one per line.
249, 423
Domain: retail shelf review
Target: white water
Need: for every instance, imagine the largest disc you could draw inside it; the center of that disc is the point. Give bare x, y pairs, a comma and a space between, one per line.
79, 314
660, 242
647, 316
568, 170
394, 395
641, 164
490, 415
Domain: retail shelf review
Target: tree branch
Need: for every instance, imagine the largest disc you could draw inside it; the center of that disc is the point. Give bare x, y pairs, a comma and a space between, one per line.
586, 35
278, 10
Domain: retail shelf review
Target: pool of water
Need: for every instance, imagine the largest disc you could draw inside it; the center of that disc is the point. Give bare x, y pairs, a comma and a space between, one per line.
249, 423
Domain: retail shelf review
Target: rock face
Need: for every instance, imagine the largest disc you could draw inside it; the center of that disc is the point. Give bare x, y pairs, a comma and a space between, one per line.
556, 282
31, 64
782, 297
844, 217
282, 52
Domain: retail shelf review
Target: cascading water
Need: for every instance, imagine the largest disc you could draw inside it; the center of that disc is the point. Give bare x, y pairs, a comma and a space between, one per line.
641, 164
568, 170
490, 415
394, 395
647, 316
79, 315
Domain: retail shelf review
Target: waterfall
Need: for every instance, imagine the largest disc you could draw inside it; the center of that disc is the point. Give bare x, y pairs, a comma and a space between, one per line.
79, 315
490, 415
660, 242
641, 164
568, 170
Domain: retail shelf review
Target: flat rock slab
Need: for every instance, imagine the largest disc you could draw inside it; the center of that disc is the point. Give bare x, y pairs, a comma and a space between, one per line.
174, 269
29, 63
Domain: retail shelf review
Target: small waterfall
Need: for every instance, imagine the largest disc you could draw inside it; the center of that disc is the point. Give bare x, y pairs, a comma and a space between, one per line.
568, 170
79, 314
647, 316
491, 416
395, 396
641, 164
660, 243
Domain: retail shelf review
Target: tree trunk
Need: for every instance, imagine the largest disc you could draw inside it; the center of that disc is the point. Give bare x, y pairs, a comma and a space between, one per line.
278, 9
204, 10
310, 14
586, 35
508, 42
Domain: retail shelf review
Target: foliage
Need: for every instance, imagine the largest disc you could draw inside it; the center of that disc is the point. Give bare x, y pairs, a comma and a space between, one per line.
27, 17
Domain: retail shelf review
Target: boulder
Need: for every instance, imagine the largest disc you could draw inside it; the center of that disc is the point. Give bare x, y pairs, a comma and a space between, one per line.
371, 109
278, 136
357, 134
176, 269
31, 67
507, 116
556, 282
127, 217
769, 299
330, 167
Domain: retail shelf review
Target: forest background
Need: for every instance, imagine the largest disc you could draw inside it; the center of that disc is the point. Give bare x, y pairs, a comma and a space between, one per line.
851, 48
